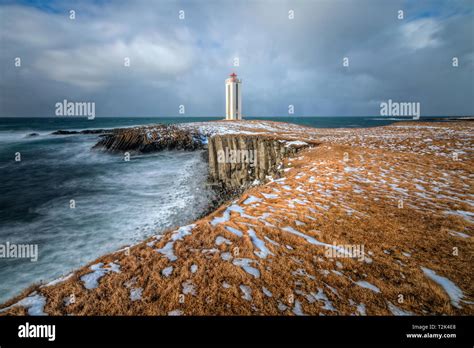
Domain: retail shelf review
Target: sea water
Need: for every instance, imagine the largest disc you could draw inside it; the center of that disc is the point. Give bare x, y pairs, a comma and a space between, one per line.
115, 202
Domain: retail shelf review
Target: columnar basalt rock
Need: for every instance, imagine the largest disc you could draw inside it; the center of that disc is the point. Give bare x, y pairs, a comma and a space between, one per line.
235, 161
150, 139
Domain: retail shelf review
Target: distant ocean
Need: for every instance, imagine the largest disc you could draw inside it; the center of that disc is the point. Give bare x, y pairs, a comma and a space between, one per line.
55, 123
117, 202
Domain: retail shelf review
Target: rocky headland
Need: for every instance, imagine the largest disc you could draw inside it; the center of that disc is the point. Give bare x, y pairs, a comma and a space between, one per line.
401, 193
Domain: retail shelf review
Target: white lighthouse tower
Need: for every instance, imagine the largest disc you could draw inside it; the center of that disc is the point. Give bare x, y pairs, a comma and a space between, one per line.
233, 98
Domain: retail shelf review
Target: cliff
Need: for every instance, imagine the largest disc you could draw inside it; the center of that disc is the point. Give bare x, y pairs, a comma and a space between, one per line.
237, 160
149, 139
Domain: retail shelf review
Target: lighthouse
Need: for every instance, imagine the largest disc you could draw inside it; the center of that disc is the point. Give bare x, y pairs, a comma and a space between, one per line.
233, 98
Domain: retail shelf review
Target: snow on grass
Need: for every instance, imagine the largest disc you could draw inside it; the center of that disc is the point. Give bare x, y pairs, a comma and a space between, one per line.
298, 201
59, 280
221, 240
247, 296
466, 215
226, 215
270, 195
91, 280
267, 292
302, 272
282, 307
252, 199
398, 189
367, 285
297, 310
321, 296
397, 311
295, 232
244, 263
280, 180
210, 251
68, 300
237, 208
167, 271
194, 268
454, 293
349, 169
188, 288
312, 240
136, 294
224, 218
179, 234
271, 241
361, 309
267, 223
34, 303
459, 234
234, 231
300, 189
226, 256
259, 244
175, 313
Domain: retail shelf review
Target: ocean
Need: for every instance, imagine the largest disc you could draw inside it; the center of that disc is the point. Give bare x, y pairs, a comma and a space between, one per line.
115, 203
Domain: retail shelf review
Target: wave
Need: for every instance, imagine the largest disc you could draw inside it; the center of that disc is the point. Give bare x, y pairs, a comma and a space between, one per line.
117, 203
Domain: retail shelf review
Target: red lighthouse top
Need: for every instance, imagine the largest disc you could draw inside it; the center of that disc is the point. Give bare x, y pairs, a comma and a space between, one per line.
233, 75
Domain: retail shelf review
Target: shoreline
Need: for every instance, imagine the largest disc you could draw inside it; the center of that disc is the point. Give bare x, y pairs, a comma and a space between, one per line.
301, 233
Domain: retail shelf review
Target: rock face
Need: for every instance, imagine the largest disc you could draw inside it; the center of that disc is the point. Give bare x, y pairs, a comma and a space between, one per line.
235, 161
149, 139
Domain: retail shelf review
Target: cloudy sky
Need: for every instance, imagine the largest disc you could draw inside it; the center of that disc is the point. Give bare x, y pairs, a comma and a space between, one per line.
283, 61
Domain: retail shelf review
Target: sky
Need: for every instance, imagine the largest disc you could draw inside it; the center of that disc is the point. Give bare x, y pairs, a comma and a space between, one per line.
282, 61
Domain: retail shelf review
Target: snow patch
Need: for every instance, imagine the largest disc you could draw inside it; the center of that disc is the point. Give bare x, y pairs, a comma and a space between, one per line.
247, 292
259, 244
367, 285
397, 311
244, 263
454, 293
91, 280
34, 303
136, 294
179, 234
167, 271
252, 199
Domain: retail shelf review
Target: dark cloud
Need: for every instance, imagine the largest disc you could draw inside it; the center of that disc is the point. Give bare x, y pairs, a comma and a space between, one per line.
282, 61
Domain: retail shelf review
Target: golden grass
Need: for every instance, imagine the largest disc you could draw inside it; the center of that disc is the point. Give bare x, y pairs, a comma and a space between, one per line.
358, 212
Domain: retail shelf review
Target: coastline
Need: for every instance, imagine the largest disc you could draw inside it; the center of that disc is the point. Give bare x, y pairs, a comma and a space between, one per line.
282, 226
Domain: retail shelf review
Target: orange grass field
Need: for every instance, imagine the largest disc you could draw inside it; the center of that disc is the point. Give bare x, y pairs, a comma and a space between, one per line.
403, 193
